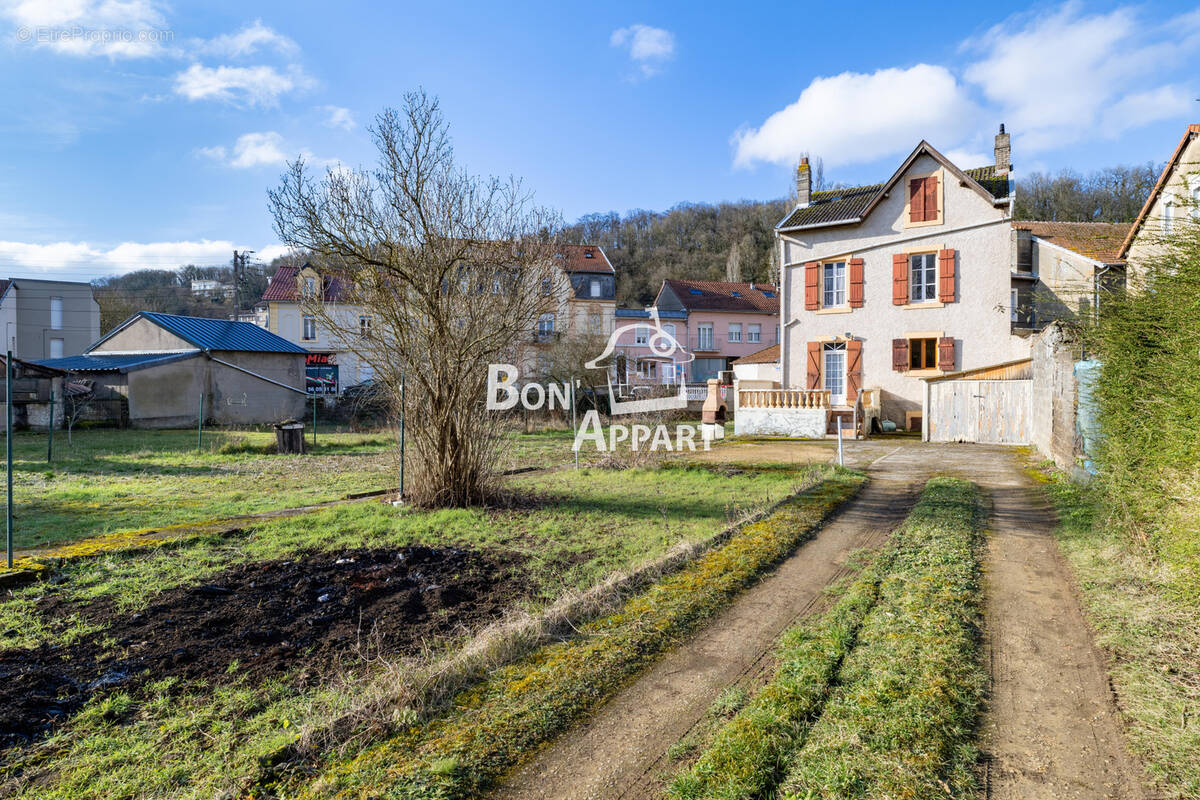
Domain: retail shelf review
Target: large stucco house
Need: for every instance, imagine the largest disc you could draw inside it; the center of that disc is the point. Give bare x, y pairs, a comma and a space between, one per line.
47, 319
887, 284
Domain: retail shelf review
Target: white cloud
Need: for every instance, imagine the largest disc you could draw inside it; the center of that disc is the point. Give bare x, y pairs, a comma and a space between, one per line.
967, 158
113, 28
261, 85
338, 117
73, 260
250, 150
1054, 78
857, 118
247, 41
649, 47
1061, 77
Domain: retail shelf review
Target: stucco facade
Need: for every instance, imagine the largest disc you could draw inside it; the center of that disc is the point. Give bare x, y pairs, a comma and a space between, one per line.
48, 319
969, 223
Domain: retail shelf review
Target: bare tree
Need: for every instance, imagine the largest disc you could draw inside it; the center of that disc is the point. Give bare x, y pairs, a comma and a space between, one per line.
733, 264
446, 268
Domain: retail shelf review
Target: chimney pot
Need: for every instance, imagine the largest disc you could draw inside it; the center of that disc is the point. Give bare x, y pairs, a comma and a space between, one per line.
1003, 152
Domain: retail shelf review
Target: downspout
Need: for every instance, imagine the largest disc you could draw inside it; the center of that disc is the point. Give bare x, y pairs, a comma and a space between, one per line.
255, 374
783, 364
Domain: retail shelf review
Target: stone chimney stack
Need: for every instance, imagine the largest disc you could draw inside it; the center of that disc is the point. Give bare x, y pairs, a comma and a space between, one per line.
1003, 153
803, 183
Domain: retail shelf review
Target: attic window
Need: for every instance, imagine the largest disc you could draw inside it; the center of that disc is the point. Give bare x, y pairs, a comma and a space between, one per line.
736, 294
589, 254
768, 294
695, 291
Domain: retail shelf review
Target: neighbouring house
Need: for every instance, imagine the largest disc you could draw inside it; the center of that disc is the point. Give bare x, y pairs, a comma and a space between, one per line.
643, 357
886, 284
212, 290
164, 370
1174, 199
37, 392
584, 292
47, 319
1063, 270
725, 321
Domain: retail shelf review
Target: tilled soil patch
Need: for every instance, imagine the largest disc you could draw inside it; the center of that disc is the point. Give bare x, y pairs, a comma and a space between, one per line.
309, 614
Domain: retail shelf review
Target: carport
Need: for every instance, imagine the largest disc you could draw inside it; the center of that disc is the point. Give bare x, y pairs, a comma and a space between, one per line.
988, 405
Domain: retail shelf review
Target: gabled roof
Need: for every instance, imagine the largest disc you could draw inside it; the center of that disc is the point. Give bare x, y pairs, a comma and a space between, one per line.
282, 287
585, 258
725, 296
212, 334
5, 285
1099, 241
120, 362
853, 204
1192, 132
768, 355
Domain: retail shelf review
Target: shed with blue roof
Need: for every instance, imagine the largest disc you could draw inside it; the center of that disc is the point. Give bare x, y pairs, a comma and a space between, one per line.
161, 367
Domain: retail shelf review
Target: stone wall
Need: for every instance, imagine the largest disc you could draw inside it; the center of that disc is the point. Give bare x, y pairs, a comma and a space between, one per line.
1055, 351
798, 423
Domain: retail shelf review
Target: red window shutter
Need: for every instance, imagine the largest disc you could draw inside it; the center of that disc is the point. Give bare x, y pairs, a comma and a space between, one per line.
812, 289
946, 354
916, 200
931, 198
853, 370
814, 365
900, 355
856, 283
946, 275
899, 279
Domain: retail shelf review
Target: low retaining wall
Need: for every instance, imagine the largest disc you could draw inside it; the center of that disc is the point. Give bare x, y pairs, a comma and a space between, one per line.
798, 423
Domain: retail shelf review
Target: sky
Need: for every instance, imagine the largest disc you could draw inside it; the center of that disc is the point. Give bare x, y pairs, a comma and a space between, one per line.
140, 133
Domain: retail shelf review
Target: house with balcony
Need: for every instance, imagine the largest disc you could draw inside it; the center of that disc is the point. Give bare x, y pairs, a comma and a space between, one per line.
725, 321
580, 297
644, 358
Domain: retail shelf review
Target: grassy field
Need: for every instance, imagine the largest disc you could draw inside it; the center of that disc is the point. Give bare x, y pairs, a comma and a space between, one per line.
571, 529
877, 697
1142, 609
116, 480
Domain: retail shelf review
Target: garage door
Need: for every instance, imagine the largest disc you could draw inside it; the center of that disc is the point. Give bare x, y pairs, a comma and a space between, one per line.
988, 412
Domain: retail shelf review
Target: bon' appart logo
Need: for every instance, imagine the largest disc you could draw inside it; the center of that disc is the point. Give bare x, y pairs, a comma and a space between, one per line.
503, 393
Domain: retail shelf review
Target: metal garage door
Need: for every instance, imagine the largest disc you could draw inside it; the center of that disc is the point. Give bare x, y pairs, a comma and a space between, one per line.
988, 412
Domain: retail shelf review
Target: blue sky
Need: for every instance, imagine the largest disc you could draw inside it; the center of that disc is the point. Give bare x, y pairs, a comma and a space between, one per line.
121, 149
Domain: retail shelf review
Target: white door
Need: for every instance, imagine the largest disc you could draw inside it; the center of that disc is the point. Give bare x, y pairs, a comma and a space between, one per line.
835, 373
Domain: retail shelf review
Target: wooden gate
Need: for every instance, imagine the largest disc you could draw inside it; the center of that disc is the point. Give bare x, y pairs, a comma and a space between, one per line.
984, 411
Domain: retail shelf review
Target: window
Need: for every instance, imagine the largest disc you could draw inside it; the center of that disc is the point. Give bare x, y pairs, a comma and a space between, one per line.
495, 286
776, 335
641, 335
834, 373
923, 199
365, 322
547, 285
595, 288
310, 328
735, 331
56, 313
310, 287
754, 332
704, 337
834, 284
1168, 217
647, 369
1014, 303
922, 277
922, 354
545, 325
595, 323
669, 329
56, 348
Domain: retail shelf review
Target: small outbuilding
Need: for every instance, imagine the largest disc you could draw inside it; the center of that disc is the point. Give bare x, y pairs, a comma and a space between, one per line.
987, 405
161, 370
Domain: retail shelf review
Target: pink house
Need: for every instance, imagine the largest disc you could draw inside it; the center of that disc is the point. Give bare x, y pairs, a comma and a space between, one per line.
724, 321
646, 355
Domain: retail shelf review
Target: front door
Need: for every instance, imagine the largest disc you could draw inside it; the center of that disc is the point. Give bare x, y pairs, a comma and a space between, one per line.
835, 373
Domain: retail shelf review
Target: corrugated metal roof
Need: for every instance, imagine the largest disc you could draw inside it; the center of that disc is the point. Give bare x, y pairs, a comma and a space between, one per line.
215, 334
124, 362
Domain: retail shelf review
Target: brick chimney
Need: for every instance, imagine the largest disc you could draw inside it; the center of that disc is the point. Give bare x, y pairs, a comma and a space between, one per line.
803, 183
1003, 152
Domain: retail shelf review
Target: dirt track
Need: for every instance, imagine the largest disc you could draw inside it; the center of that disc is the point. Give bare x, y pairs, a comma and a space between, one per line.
1051, 730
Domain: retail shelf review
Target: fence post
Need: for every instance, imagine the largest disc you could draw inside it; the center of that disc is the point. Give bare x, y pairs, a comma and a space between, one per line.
401, 434
8, 434
574, 427
841, 459
50, 442
314, 422
200, 424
